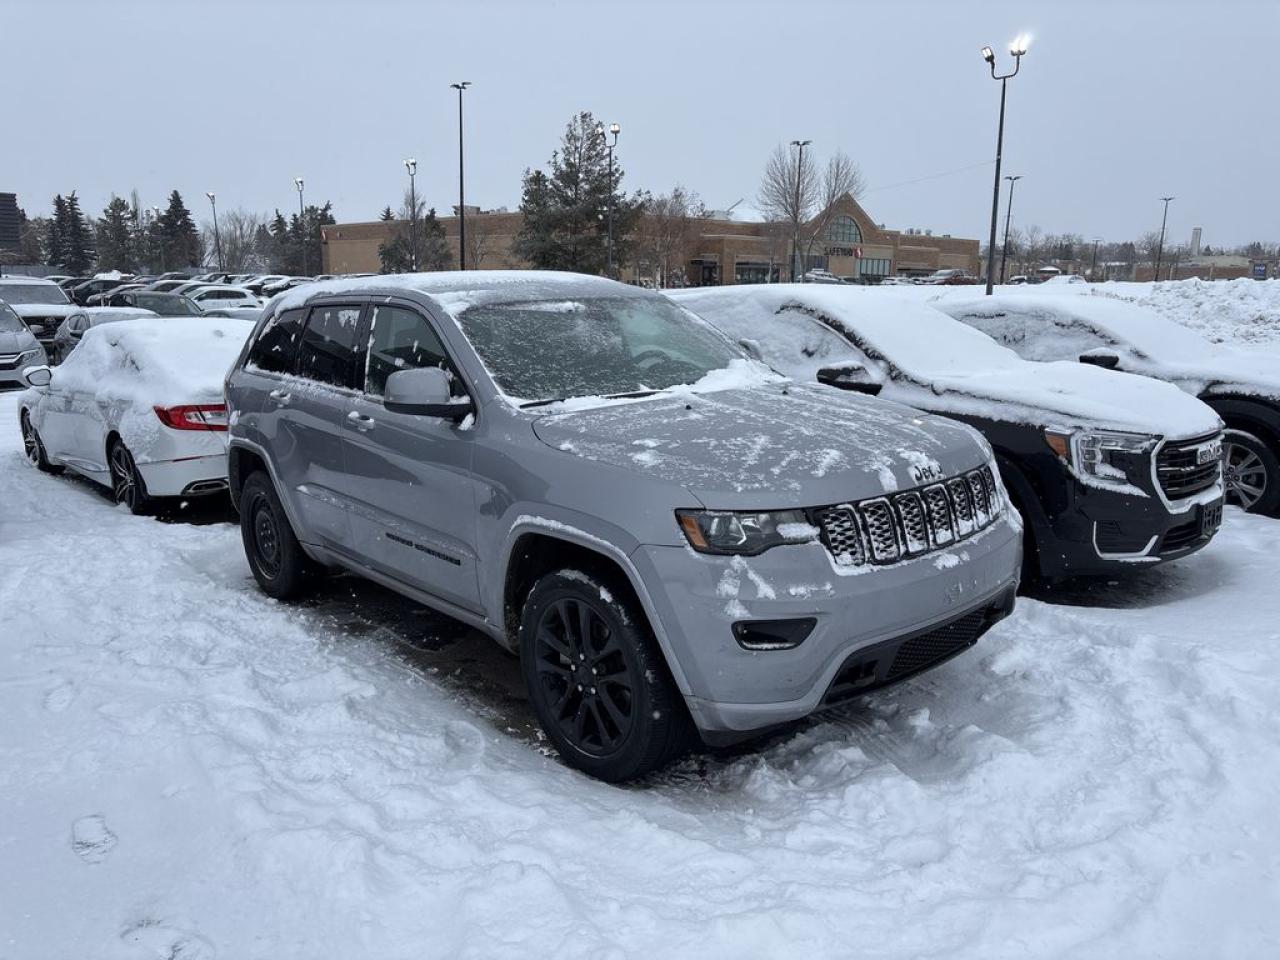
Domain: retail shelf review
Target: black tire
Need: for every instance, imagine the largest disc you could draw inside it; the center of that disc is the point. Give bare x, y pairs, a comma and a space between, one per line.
1251, 472
33, 446
127, 485
279, 564
608, 704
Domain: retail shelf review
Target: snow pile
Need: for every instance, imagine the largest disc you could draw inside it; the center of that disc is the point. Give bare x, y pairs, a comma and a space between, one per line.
1223, 311
189, 769
158, 362
926, 359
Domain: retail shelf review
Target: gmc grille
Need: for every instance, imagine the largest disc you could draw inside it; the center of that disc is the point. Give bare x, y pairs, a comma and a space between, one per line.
901, 525
1180, 474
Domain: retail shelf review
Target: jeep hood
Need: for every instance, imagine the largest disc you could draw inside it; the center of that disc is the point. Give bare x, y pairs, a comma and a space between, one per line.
775, 446
1065, 394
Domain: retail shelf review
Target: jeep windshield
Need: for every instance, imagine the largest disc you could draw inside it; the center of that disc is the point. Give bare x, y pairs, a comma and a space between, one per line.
541, 351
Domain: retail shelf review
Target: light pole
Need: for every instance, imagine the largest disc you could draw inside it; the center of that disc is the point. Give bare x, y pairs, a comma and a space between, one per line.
1093, 266
302, 226
155, 219
1164, 220
1008, 216
217, 238
1018, 48
412, 166
615, 130
795, 222
462, 195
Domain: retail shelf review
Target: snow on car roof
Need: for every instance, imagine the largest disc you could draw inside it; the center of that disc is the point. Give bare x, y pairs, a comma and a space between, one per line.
154, 361
1126, 323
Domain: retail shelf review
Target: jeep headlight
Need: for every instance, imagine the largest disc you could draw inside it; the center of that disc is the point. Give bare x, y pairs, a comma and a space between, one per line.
1106, 456
744, 533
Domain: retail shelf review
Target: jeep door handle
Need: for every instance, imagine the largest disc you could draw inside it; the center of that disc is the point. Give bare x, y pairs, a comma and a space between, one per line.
281, 397
360, 421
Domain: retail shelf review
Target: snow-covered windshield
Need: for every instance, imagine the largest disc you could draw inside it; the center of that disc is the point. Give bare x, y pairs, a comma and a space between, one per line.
33, 293
10, 322
540, 350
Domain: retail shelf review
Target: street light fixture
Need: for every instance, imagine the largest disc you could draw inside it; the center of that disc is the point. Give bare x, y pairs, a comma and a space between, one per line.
462, 195
1017, 49
302, 226
1164, 220
795, 222
1008, 216
217, 238
412, 166
614, 129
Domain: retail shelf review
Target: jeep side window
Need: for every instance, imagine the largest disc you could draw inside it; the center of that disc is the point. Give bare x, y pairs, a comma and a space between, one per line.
327, 351
277, 346
402, 339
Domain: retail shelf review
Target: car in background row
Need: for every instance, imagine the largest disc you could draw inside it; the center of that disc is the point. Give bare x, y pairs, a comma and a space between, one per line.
671, 535
19, 349
221, 295
41, 304
161, 304
1110, 471
138, 408
1243, 388
73, 329
950, 278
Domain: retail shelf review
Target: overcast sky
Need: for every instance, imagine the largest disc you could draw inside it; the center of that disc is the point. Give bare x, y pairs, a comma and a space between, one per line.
1117, 103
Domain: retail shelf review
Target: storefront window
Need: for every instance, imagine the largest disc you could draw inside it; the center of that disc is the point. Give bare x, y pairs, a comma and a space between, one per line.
873, 267
747, 271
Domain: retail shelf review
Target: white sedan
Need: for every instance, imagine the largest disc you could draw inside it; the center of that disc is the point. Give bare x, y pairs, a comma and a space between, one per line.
218, 296
137, 407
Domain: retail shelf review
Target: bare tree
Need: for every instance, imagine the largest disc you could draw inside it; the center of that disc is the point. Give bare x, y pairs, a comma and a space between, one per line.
665, 231
478, 235
841, 176
238, 230
789, 191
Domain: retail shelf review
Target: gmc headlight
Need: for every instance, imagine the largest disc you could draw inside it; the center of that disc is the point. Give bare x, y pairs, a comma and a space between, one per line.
744, 533
1102, 455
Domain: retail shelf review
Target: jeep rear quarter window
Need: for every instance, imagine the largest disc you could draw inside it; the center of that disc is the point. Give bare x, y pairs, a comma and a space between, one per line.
277, 346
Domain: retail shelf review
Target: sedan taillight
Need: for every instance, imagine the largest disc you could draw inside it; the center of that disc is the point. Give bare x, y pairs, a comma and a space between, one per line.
204, 416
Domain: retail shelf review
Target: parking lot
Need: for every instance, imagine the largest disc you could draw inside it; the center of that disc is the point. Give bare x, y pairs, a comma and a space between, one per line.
364, 778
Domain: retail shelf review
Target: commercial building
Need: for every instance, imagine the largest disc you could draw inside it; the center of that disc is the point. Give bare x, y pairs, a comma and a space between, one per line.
720, 249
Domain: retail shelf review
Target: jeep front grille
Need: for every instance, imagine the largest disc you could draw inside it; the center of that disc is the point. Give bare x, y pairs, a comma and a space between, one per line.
897, 526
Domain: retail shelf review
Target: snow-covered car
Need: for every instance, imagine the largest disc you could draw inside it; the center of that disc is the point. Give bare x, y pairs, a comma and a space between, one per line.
74, 327
1244, 388
821, 276
221, 295
897, 282
949, 278
42, 304
19, 349
239, 313
161, 304
137, 407
663, 528
1110, 471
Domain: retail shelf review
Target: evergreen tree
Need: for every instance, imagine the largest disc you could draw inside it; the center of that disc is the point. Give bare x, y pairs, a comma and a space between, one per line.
280, 244
116, 250
396, 254
55, 244
78, 252
181, 239
565, 213
387, 213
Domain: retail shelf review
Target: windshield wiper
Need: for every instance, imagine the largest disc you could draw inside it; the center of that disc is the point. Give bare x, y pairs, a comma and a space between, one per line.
607, 396
540, 403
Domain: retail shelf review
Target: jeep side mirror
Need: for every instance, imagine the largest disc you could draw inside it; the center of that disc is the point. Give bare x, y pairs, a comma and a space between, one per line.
1101, 358
424, 392
850, 376
37, 376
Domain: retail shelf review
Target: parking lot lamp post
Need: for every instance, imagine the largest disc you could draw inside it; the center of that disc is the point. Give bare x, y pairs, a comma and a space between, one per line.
1093, 266
302, 226
1164, 221
217, 237
1008, 216
795, 225
412, 166
462, 194
614, 129
1018, 48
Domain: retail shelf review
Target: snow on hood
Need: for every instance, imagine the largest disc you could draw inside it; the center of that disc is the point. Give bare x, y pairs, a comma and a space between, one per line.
769, 446
37, 310
1146, 342
936, 363
148, 363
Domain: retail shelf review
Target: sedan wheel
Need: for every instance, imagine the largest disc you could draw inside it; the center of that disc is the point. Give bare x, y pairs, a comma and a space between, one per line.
126, 483
33, 447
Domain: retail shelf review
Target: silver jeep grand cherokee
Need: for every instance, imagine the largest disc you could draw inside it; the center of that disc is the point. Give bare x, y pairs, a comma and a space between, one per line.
669, 534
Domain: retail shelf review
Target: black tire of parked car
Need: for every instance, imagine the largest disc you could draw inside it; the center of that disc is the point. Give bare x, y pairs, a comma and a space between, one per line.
279, 564
597, 680
34, 447
127, 485
1251, 471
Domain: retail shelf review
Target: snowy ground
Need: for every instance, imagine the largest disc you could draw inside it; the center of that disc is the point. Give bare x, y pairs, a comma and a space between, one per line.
190, 770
